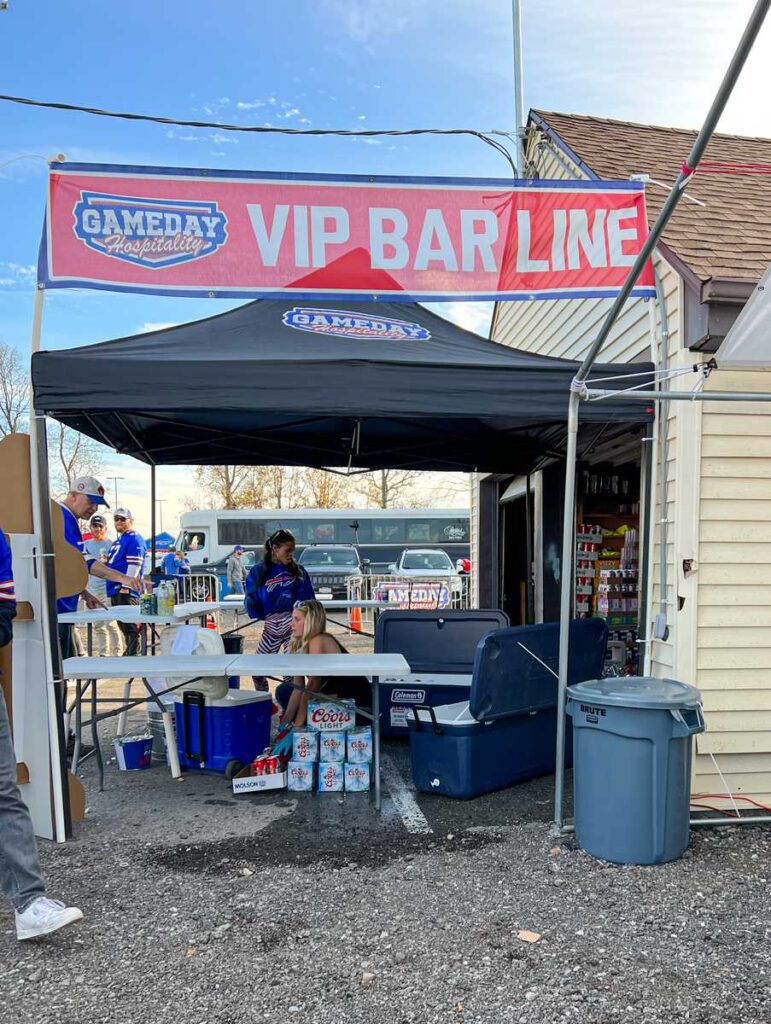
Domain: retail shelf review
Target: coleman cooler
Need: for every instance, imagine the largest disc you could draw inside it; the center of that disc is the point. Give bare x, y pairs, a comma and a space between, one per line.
212, 733
439, 647
507, 731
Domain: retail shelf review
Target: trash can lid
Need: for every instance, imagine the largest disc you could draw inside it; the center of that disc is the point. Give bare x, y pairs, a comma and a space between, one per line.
637, 692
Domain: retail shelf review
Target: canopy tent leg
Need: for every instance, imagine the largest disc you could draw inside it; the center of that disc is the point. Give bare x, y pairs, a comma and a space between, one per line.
41, 517
152, 519
566, 604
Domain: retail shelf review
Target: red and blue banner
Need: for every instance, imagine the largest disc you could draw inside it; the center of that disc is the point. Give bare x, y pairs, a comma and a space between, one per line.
240, 234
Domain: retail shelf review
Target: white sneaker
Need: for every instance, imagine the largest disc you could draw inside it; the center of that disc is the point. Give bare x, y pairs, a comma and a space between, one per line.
43, 917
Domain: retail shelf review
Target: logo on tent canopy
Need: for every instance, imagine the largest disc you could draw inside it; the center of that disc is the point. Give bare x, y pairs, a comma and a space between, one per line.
152, 233
345, 324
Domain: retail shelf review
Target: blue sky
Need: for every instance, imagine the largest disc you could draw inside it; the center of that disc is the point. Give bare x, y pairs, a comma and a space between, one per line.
321, 64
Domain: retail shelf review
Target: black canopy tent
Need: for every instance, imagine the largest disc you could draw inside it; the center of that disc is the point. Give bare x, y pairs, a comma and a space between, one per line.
359, 385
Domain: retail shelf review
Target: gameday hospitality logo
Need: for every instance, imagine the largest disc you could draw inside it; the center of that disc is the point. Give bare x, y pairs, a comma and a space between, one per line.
344, 324
151, 233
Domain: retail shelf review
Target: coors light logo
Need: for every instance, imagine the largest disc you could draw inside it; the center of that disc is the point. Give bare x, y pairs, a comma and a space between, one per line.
331, 716
151, 233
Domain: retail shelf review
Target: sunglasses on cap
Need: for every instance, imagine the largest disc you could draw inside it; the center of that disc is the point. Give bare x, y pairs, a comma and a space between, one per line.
300, 605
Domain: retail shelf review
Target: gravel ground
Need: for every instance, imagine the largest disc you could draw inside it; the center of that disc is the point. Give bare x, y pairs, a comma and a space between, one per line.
205, 908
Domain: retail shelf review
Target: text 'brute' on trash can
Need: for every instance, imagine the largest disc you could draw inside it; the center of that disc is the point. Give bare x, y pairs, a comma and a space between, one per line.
632, 766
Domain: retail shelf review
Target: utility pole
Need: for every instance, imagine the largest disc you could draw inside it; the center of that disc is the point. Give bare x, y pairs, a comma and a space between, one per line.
519, 87
115, 480
160, 501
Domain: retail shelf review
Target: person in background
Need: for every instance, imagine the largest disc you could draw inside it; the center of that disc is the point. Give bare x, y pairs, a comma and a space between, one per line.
82, 501
175, 563
273, 586
20, 877
236, 571
127, 556
107, 636
310, 636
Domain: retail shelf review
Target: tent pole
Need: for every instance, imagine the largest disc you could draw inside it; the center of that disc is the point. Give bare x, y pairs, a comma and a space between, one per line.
680, 396
566, 603
152, 519
529, 550
689, 166
41, 516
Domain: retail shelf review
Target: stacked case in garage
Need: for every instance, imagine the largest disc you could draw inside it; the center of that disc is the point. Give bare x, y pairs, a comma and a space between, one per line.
440, 647
507, 731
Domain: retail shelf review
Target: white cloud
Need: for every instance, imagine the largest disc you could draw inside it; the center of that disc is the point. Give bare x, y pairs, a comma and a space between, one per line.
472, 316
291, 112
150, 325
368, 20
253, 105
18, 275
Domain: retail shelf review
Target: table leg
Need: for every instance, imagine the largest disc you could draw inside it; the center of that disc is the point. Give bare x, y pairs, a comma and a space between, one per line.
122, 717
376, 738
95, 737
171, 744
78, 724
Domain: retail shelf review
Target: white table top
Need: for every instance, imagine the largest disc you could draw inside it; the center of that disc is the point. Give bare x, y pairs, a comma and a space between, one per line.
236, 604
131, 613
235, 665
138, 666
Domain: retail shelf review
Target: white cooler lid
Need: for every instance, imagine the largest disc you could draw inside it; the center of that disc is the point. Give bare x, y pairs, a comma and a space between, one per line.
231, 699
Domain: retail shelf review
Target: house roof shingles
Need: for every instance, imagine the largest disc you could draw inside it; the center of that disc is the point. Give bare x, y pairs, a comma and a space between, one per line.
728, 237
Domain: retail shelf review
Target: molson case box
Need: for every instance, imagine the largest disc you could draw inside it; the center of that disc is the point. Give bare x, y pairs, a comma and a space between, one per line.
331, 777
331, 746
305, 745
359, 745
299, 776
331, 715
356, 778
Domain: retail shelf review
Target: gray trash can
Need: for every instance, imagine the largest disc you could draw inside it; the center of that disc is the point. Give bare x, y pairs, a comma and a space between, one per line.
632, 766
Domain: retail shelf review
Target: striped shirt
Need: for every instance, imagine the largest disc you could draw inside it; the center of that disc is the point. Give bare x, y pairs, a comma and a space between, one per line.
7, 592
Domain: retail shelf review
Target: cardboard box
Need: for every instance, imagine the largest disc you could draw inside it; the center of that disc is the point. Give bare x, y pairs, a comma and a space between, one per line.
305, 745
331, 746
357, 778
331, 777
300, 776
331, 715
245, 782
360, 744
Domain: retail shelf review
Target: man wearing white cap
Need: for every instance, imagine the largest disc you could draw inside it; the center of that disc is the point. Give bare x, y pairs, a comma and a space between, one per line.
85, 497
126, 556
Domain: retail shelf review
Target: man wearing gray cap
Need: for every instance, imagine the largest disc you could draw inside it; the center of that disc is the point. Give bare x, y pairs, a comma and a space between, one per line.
126, 556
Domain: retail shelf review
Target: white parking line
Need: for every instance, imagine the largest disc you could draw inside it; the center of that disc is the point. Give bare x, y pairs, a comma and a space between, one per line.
402, 797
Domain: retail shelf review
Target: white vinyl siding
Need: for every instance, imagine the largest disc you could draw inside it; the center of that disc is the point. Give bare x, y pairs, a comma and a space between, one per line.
733, 633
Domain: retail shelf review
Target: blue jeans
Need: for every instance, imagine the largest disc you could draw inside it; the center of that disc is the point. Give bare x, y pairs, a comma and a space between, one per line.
20, 877
237, 587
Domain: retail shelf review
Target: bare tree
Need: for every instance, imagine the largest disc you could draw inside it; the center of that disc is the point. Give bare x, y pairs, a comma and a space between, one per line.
322, 489
221, 486
14, 391
389, 488
73, 454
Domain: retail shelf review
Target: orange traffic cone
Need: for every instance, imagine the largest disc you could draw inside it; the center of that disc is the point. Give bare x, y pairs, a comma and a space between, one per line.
354, 620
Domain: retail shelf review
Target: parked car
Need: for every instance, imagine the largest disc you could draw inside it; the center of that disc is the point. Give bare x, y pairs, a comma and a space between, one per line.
330, 566
220, 570
424, 562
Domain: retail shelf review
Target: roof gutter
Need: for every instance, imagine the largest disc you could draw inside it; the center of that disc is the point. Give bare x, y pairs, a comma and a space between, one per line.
733, 291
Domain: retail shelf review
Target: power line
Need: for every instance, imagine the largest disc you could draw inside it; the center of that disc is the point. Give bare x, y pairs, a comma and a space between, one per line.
269, 129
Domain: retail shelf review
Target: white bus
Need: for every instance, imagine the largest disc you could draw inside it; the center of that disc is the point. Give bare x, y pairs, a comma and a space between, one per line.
380, 534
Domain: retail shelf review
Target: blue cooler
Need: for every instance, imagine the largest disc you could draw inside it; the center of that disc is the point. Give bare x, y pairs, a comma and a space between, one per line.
507, 732
212, 733
439, 647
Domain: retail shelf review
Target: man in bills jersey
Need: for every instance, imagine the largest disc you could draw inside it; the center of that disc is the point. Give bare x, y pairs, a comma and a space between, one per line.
86, 495
127, 557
